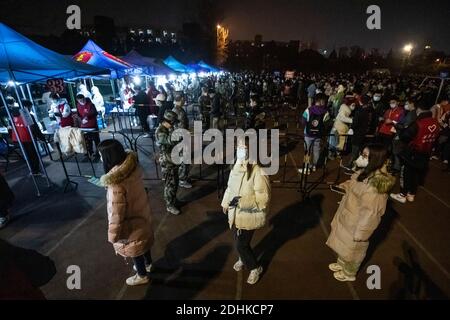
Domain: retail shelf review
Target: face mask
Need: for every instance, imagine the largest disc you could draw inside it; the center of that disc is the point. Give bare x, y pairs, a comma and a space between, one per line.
362, 162
241, 154
393, 105
407, 107
376, 98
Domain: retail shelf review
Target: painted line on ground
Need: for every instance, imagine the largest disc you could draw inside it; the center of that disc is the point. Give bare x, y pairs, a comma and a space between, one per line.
422, 247
92, 212
435, 196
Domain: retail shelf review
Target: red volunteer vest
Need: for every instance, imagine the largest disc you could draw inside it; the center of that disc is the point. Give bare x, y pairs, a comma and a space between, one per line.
426, 136
65, 122
22, 130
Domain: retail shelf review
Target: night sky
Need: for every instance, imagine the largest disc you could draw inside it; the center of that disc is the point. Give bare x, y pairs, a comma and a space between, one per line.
328, 22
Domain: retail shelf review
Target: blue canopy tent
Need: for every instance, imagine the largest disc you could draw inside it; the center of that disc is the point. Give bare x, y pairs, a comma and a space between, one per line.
197, 68
92, 54
176, 65
150, 65
207, 66
24, 61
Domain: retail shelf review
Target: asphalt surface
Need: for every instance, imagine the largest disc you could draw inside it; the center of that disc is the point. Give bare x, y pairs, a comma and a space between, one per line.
193, 253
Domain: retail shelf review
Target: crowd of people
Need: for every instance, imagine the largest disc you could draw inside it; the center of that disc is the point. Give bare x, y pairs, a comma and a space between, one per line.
389, 126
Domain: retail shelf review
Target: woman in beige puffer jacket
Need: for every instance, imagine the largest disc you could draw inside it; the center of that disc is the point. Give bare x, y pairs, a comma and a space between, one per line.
360, 212
246, 200
129, 216
343, 121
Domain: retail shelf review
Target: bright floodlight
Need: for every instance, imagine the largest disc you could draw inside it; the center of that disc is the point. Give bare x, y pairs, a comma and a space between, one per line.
408, 48
11, 83
137, 80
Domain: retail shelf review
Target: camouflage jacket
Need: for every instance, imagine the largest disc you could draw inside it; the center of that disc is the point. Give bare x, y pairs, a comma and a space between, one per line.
165, 144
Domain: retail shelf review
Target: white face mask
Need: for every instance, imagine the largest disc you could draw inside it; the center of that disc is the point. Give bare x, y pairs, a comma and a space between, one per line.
407, 107
362, 162
376, 98
393, 105
241, 154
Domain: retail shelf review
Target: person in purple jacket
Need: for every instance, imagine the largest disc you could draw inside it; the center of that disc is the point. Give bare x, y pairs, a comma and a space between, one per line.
315, 119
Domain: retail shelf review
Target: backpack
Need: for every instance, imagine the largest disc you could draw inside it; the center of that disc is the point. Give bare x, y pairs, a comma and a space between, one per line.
315, 125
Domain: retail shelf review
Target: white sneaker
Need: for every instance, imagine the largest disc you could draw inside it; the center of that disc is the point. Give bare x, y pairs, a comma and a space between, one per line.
335, 267
341, 276
173, 210
314, 169
399, 197
147, 267
185, 184
410, 197
137, 280
301, 171
238, 265
254, 275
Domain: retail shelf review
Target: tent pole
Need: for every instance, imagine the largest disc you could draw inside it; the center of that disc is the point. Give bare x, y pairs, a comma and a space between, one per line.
113, 89
33, 139
20, 143
31, 99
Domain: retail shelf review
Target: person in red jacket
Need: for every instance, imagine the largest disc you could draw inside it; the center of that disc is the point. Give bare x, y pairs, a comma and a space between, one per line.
25, 138
61, 110
88, 115
386, 129
420, 138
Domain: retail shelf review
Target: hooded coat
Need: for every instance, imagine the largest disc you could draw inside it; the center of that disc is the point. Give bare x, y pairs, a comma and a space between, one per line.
359, 214
129, 216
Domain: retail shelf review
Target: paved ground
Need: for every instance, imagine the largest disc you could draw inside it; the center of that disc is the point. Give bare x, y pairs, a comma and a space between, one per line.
193, 253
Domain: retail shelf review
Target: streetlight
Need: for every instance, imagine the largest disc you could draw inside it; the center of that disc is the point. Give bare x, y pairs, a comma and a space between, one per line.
408, 48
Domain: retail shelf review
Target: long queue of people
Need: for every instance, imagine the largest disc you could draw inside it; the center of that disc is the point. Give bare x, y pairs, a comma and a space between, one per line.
345, 112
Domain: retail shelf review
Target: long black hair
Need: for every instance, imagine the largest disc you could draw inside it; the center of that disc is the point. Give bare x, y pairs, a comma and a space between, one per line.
112, 152
378, 155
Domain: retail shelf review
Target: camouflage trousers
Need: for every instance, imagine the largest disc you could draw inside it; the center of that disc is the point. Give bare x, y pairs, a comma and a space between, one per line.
170, 175
183, 172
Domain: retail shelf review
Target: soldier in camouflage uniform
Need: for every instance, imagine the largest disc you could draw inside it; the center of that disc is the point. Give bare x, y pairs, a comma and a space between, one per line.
169, 169
182, 123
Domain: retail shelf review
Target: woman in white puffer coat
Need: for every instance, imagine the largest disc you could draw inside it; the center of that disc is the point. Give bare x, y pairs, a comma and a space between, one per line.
246, 200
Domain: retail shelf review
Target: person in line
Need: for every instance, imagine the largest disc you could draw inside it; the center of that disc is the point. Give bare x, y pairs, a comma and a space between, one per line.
140, 100
169, 170
360, 211
420, 138
182, 123
254, 116
343, 122
360, 127
246, 201
60, 109
6, 200
398, 146
88, 115
315, 119
129, 215
216, 109
392, 116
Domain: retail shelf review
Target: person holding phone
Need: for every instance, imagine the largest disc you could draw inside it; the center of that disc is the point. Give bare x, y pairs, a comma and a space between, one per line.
360, 211
246, 201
